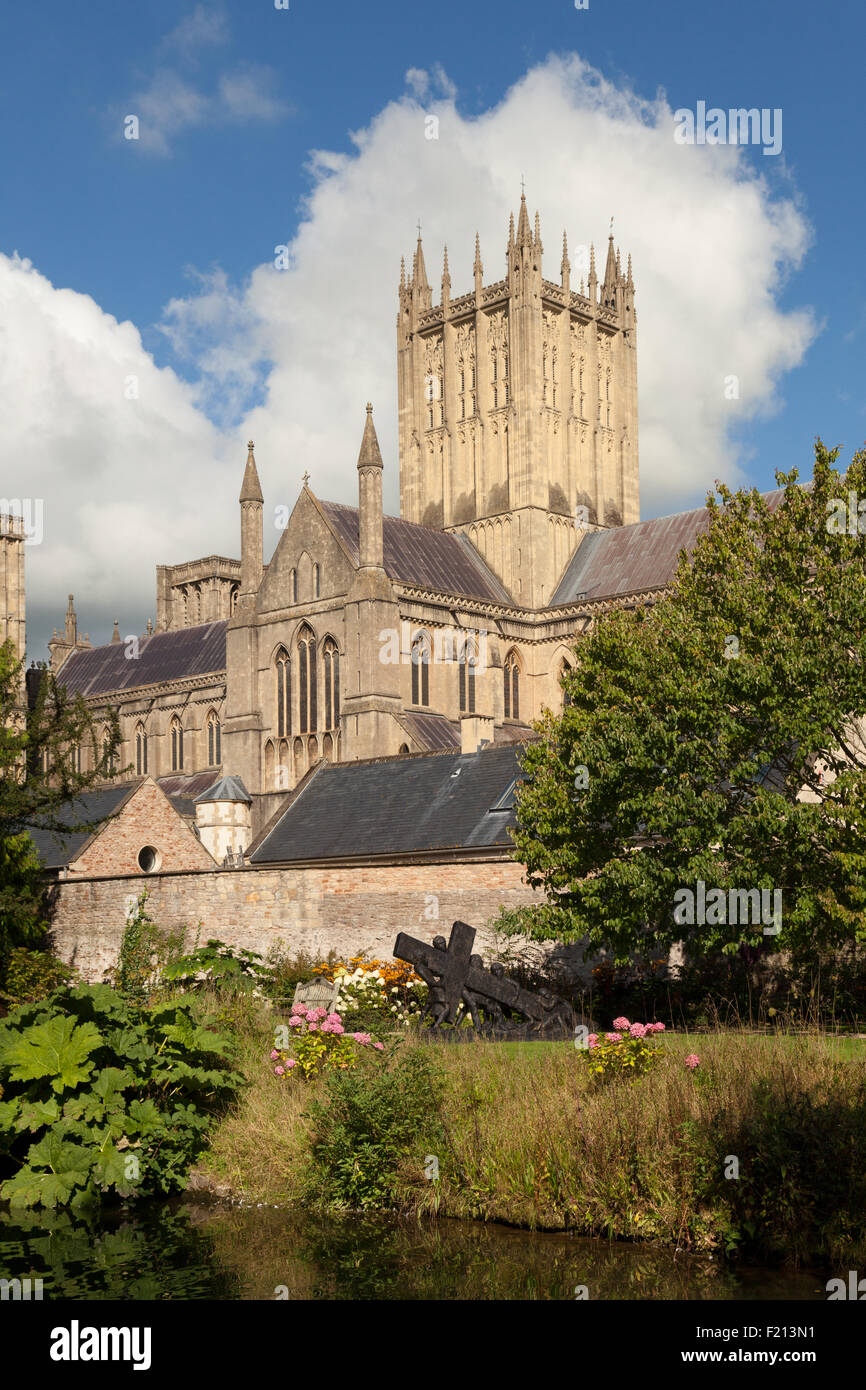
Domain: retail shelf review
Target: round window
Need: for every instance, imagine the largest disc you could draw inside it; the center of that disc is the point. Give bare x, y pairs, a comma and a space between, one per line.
148, 859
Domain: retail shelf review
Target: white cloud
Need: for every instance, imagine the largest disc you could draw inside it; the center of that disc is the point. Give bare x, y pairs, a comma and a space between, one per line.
207, 26
137, 483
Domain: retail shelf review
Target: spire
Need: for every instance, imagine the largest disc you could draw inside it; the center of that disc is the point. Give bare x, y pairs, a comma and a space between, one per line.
71, 622
524, 236
592, 282
537, 236
370, 455
446, 279
565, 267
628, 279
477, 268
420, 269
402, 272
251, 490
370, 521
115, 636
609, 290
510, 230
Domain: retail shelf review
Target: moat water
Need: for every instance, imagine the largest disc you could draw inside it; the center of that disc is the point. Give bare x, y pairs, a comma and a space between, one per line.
185, 1250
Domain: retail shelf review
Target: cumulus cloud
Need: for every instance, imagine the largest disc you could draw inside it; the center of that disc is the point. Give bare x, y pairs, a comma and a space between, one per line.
292, 355
167, 103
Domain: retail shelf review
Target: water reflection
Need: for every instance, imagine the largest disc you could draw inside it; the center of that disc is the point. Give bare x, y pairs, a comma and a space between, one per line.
196, 1251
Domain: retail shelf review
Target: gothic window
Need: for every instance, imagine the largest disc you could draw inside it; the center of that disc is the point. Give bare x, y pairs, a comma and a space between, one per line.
140, 751
511, 672
328, 748
299, 759
293, 585
307, 681
270, 766
421, 669
284, 693
176, 735
331, 669
462, 380
316, 581
233, 600
312, 750
466, 676
564, 670
404, 748
109, 757
430, 418
283, 766
607, 395
214, 740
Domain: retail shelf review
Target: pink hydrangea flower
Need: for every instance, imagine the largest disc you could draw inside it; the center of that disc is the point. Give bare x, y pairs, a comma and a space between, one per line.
291, 1063
279, 1071
380, 1047
637, 1030
592, 1040
295, 1021
333, 1018
613, 1037
274, 1055
621, 1022
362, 1038
655, 1027
337, 1028
312, 1027
319, 1013
692, 1061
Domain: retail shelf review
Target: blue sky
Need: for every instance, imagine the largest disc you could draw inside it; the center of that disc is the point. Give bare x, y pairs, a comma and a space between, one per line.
175, 235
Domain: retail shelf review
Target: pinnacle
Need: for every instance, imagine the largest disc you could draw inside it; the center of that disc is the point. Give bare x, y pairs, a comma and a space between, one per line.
370, 455
251, 490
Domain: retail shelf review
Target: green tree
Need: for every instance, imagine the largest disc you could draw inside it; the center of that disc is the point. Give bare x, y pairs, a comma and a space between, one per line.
691, 728
39, 783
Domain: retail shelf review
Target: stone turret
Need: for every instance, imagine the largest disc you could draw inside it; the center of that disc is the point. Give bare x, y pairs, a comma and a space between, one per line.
223, 818
370, 468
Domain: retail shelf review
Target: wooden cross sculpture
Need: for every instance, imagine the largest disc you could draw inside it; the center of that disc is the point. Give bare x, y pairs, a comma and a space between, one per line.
458, 985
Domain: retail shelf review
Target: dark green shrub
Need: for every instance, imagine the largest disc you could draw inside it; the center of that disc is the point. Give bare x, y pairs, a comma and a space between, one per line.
374, 1129
31, 975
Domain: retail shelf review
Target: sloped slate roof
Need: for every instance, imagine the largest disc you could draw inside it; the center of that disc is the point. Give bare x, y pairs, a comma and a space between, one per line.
420, 555
431, 730
641, 556
57, 852
226, 789
187, 651
182, 788
436, 801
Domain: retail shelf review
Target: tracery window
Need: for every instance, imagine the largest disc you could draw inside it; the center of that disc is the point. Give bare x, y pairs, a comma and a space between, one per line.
421, 669
140, 750
307, 681
214, 740
467, 662
331, 671
511, 674
176, 736
284, 693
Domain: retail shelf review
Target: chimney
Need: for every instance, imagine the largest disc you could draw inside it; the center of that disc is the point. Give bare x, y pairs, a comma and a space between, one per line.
475, 729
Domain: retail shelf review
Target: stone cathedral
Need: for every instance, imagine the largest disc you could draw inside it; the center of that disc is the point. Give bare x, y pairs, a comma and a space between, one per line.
446, 628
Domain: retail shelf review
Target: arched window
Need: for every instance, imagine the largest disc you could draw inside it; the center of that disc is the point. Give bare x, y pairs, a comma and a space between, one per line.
466, 675
284, 693
404, 748
270, 766
511, 672
331, 665
328, 748
176, 735
140, 751
293, 585
109, 757
299, 759
564, 670
312, 750
421, 669
214, 740
284, 766
307, 681
316, 581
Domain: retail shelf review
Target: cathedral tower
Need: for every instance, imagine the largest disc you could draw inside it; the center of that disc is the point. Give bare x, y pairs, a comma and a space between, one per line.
517, 406
12, 616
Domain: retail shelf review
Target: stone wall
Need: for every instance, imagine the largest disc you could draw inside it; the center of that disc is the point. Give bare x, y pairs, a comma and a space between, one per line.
314, 909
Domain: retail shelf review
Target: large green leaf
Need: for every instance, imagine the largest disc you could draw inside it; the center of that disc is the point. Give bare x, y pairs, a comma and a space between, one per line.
55, 1167
58, 1049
